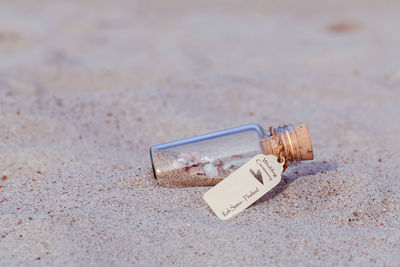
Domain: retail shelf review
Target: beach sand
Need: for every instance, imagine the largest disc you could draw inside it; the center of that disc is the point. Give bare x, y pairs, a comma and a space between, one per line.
86, 87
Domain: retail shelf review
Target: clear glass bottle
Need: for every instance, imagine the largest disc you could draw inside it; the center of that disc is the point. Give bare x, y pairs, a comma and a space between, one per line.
206, 159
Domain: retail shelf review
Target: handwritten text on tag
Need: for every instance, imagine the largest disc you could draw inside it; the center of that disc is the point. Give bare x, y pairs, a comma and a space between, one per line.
244, 186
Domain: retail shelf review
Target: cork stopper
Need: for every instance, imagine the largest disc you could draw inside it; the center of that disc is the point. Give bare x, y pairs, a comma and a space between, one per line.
296, 143
304, 142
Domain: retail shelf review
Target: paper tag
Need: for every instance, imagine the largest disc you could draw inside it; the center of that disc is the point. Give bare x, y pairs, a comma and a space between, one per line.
244, 186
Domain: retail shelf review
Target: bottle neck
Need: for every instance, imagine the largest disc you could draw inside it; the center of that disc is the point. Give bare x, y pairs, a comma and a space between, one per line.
283, 142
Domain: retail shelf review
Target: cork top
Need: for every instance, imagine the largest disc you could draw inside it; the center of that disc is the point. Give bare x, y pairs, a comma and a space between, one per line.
296, 143
304, 142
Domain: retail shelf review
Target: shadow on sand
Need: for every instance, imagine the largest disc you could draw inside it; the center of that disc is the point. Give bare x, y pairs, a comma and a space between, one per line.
296, 171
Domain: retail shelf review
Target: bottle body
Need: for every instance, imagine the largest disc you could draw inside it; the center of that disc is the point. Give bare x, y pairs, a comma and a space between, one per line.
206, 159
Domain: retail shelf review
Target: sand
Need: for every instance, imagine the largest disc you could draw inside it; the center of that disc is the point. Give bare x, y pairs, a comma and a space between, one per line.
86, 87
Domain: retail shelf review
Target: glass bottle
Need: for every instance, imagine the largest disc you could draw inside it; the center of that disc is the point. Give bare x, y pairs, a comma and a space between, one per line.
206, 159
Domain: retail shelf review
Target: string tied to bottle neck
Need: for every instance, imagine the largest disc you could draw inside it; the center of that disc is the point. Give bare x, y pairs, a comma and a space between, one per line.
278, 151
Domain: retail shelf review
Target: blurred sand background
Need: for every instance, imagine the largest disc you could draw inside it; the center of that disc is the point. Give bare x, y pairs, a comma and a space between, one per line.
86, 87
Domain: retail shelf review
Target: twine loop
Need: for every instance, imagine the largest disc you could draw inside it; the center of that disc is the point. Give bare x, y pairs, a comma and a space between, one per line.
279, 150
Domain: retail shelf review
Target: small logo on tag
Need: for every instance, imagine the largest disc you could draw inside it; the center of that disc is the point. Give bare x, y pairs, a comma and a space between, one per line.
257, 175
244, 186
